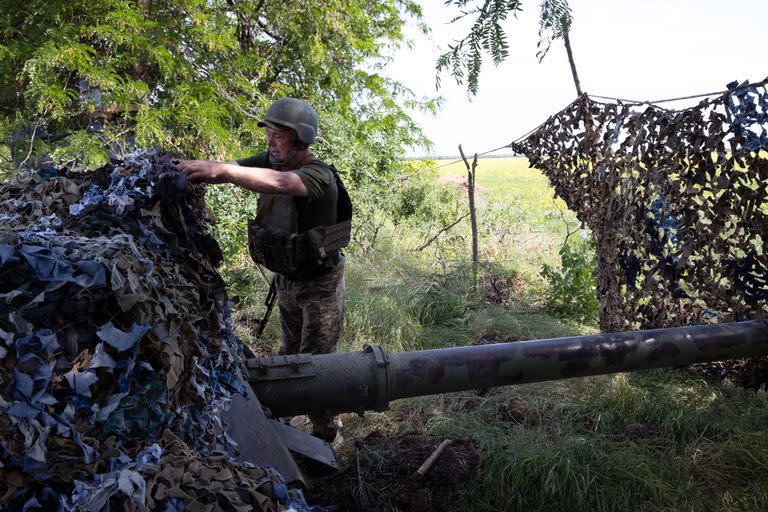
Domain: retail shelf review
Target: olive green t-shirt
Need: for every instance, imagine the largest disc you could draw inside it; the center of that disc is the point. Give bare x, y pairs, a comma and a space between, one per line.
319, 207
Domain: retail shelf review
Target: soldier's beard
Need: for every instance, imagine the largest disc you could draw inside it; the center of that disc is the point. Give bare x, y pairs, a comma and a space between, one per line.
279, 162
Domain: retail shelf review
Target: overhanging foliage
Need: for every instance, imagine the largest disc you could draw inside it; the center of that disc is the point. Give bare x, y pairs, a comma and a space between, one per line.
80, 79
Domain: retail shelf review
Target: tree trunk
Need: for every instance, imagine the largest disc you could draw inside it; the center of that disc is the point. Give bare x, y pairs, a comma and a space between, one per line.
570, 61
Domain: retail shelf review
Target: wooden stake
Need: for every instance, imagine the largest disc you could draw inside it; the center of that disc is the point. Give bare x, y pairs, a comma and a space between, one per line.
471, 173
431, 460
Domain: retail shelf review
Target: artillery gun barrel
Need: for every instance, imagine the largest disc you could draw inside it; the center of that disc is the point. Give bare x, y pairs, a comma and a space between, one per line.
370, 379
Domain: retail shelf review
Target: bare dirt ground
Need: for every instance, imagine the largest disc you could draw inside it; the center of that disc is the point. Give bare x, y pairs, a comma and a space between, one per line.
461, 181
380, 475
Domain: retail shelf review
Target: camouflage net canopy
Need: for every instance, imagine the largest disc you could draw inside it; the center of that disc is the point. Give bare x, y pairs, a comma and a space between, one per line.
677, 201
117, 356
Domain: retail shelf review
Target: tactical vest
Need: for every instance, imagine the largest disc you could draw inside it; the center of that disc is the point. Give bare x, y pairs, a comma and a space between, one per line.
275, 240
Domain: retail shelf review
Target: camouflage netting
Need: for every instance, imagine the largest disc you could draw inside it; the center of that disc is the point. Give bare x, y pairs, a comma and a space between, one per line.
117, 356
677, 202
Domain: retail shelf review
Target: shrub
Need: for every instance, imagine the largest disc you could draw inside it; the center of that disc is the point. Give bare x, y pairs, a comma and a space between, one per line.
420, 201
572, 288
232, 207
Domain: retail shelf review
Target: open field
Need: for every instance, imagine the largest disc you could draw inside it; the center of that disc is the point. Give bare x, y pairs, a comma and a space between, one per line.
510, 181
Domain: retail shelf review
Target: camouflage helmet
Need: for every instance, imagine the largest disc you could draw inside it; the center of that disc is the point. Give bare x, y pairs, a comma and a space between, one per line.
293, 113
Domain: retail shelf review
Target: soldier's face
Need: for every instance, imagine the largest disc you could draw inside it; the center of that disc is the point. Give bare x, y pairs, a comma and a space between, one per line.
280, 143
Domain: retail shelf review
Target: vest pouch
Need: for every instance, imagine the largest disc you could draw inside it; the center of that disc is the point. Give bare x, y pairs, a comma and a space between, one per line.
292, 255
304, 255
270, 248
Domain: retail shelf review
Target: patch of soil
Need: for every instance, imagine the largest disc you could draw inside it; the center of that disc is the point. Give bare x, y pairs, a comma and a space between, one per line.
379, 476
513, 412
466, 402
461, 181
496, 288
645, 432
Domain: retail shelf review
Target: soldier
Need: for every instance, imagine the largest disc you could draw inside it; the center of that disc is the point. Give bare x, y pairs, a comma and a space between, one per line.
297, 233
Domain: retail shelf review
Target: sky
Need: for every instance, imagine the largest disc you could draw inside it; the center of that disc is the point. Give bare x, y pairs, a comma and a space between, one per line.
633, 49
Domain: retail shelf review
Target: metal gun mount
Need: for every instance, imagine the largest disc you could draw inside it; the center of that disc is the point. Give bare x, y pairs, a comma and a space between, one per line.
372, 378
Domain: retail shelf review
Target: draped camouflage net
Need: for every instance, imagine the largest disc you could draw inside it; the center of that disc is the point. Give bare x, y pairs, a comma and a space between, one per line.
677, 201
117, 355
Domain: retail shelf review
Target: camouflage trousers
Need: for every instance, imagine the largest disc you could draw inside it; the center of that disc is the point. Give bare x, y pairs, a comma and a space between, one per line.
311, 321
312, 312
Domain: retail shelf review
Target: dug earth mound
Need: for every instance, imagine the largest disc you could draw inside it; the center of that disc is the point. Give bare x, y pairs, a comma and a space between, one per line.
381, 474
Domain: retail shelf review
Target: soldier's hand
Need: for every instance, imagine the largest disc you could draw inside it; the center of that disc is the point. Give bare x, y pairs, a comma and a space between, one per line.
208, 171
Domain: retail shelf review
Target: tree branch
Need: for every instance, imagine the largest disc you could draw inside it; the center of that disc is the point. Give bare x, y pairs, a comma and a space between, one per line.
442, 230
31, 146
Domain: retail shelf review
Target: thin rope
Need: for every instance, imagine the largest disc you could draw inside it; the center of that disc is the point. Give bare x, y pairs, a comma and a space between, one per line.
539, 126
653, 102
403, 177
694, 96
266, 279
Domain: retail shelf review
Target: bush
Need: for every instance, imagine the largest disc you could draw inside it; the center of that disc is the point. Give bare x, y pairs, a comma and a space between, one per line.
232, 208
572, 289
420, 201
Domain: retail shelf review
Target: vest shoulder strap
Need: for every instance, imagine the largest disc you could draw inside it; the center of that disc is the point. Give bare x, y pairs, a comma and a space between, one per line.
266, 202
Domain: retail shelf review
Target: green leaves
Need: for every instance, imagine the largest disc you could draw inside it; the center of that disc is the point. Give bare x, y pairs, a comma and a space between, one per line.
554, 23
194, 76
572, 289
465, 58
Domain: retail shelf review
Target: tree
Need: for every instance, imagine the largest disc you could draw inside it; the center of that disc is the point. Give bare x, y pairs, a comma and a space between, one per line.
464, 59
80, 78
